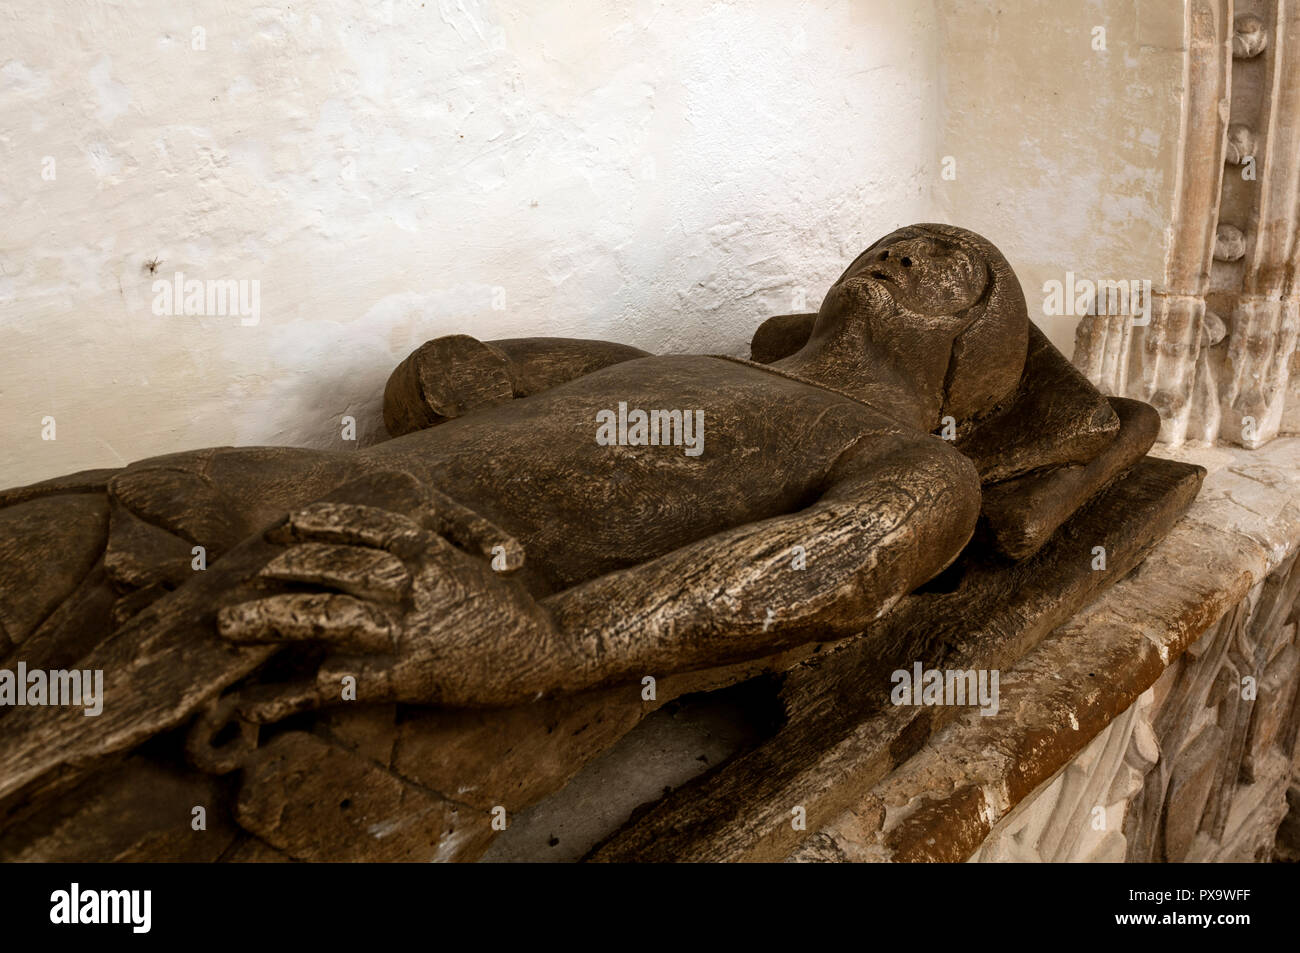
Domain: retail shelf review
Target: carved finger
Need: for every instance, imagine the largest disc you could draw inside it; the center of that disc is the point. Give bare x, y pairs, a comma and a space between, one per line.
367, 573
341, 520
201, 744
473, 532
354, 523
376, 679
260, 705
341, 621
266, 704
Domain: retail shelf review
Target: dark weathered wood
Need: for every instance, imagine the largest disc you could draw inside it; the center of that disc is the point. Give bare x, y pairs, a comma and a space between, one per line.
1056, 418
1053, 418
502, 556
1020, 515
842, 734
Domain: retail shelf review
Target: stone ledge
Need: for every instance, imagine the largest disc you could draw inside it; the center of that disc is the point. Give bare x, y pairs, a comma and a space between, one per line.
945, 800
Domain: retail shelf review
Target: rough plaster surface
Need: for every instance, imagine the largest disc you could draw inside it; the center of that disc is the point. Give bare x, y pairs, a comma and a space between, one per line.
663, 174
1066, 157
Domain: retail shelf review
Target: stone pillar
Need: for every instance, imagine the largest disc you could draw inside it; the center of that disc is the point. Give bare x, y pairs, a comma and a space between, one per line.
1259, 285
1232, 243
1158, 363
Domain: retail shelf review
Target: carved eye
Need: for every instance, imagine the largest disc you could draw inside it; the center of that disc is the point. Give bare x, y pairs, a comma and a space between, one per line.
907, 262
884, 254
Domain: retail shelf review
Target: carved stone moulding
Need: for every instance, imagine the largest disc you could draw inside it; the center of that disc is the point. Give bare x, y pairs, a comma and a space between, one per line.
1232, 244
1158, 724
1257, 367
1197, 769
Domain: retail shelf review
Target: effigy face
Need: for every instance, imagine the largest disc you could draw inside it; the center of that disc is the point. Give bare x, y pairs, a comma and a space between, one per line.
554, 523
927, 272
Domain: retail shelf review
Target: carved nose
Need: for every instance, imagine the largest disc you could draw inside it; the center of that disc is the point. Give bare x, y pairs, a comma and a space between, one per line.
907, 252
893, 262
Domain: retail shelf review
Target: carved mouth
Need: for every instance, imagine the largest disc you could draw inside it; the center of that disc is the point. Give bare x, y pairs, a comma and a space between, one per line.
874, 289
881, 281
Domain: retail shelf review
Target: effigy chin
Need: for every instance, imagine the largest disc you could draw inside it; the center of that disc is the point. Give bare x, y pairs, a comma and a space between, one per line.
899, 538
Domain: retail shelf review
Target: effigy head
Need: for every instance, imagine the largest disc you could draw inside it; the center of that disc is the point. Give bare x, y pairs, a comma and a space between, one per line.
956, 291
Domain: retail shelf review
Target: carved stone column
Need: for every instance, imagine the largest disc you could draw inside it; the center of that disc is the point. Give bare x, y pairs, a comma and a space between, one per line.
1259, 287
1158, 363
1232, 242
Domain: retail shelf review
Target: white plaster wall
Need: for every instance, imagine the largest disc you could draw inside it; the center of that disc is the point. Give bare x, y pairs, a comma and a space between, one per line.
665, 174
1066, 156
